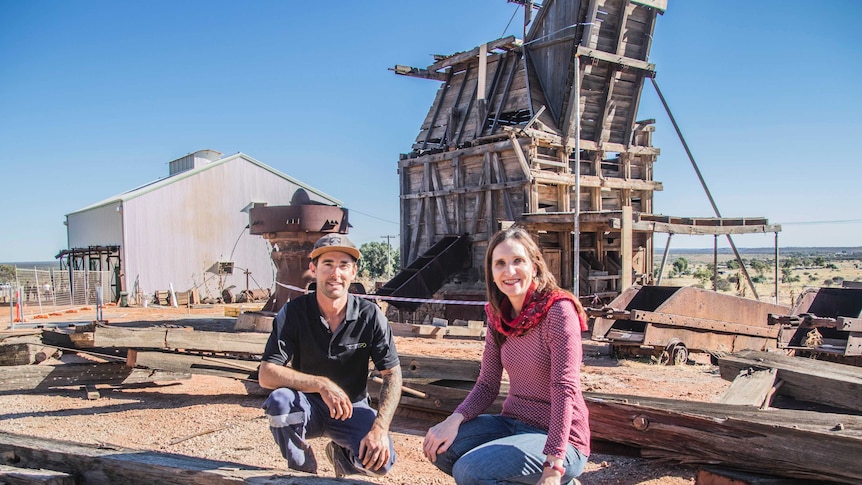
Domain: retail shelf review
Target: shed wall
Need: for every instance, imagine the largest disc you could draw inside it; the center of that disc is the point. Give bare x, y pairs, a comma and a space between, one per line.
176, 232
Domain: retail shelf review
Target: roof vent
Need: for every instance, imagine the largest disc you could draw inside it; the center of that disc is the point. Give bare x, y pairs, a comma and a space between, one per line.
193, 160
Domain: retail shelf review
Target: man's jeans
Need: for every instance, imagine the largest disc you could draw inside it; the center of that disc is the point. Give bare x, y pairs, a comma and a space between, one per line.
493, 449
296, 416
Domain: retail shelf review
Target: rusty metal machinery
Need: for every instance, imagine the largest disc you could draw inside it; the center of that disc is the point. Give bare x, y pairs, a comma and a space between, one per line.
292, 231
670, 321
826, 322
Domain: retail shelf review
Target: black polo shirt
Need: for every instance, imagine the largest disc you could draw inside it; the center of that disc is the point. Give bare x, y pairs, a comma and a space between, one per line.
300, 337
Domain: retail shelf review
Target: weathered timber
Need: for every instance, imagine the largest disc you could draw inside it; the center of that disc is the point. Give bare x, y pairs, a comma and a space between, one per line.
441, 399
24, 353
417, 330
193, 364
422, 367
26, 476
180, 338
715, 476
750, 388
92, 465
37, 377
804, 379
796, 444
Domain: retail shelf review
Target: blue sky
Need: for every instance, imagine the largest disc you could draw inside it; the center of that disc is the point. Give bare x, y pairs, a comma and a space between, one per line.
97, 96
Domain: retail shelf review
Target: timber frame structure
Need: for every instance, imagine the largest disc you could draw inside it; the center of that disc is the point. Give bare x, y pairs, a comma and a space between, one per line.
536, 133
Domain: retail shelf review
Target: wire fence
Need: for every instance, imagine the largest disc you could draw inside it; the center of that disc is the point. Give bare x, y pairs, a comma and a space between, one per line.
43, 292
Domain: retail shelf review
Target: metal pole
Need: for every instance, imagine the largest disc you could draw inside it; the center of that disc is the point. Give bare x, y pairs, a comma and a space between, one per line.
388, 254
576, 244
664, 259
715, 263
38, 289
703, 184
12, 304
776, 270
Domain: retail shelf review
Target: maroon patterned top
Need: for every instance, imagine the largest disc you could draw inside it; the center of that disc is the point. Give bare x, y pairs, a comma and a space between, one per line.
544, 367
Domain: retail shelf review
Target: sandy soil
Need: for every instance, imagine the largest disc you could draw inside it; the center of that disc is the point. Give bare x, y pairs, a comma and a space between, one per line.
216, 418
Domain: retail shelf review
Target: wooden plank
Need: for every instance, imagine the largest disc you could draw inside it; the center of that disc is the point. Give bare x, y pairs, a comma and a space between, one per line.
24, 353
192, 364
704, 230
522, 159
590, 181
764, 441
424, 367
715, 476
37, 377
238, 342
441, 399
507, 43
99, 464
180, 338
110, 336
804, 379
27, 476
750, 388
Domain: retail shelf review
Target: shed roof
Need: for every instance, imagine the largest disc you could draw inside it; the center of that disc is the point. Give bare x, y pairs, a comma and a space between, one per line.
157, 184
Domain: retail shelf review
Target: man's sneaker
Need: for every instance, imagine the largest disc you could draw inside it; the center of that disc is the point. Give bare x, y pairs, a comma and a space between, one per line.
339, 461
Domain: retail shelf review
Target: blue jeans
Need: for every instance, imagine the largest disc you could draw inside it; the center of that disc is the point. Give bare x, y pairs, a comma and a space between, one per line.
296, 416
493, 449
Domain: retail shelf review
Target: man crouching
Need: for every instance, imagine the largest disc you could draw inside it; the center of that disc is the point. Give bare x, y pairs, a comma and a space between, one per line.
328, 337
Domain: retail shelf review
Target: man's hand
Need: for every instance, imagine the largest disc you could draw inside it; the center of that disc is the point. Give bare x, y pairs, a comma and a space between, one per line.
336, 400
374, 448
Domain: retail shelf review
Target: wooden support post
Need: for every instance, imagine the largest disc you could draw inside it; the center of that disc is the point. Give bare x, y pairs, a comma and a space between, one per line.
626, 248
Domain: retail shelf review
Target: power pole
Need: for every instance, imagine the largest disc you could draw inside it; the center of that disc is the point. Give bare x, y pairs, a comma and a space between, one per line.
388, 254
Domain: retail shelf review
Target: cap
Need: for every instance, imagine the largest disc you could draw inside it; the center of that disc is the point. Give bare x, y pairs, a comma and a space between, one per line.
335, 242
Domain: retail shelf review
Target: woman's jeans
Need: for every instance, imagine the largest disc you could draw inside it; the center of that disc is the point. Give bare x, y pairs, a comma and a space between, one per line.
493, 449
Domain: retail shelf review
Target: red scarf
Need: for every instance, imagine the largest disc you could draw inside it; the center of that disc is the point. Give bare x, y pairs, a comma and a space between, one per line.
535, 308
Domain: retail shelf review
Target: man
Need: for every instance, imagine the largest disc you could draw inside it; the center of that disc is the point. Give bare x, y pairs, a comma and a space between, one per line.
328, 337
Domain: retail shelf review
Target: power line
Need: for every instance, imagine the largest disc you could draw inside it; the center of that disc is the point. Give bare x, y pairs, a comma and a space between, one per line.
840, 221
373, 217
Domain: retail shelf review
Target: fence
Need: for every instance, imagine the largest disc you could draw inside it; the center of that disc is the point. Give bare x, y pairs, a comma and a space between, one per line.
37, 292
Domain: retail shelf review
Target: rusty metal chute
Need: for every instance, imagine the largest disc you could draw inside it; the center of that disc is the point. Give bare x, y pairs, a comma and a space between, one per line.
427, 273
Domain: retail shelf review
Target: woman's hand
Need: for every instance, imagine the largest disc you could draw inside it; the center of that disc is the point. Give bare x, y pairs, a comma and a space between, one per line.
440, 436
550, 477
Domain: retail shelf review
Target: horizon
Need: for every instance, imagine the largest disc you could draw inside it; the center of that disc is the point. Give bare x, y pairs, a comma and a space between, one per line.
657, 254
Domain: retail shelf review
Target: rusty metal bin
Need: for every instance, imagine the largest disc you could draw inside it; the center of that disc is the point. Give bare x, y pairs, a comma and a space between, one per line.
824, 322
671, 321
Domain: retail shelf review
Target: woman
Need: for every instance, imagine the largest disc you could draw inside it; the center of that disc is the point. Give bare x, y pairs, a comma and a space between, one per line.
534, 333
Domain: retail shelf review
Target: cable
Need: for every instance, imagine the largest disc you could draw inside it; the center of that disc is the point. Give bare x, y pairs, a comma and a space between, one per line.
230, 258
510, 22
373, 217
844, 221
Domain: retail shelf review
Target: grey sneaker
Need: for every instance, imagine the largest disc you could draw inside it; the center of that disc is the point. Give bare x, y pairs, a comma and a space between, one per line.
339, 460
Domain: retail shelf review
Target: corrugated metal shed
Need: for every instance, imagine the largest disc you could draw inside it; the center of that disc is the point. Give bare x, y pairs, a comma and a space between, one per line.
173, 230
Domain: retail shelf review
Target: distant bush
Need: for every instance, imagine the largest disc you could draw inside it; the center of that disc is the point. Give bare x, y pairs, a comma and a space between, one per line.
723, 285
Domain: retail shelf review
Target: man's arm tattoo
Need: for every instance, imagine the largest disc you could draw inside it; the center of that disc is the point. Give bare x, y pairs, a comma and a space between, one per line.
390, 395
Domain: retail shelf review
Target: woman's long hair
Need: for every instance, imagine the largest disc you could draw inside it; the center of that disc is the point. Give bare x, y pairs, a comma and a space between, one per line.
543, 280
